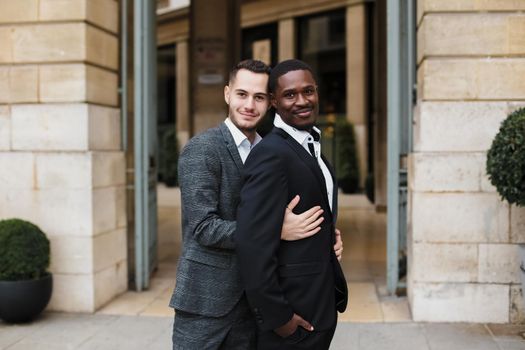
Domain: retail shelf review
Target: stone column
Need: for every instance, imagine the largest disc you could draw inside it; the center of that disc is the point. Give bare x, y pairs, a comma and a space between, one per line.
379, 113
356, 81
286, 33
60, 153
183, 93
464, 263
215, 48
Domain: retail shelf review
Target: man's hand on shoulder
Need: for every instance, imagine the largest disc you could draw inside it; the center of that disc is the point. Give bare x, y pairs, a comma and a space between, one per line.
291, 326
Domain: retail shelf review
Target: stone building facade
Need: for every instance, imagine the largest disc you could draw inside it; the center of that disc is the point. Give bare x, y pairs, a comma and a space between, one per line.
463, 244
62, 165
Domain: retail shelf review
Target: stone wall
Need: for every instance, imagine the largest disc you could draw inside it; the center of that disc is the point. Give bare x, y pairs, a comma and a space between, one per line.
60, 154
463, 240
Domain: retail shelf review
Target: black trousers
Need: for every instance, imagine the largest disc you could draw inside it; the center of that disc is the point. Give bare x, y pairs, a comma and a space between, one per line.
300, 339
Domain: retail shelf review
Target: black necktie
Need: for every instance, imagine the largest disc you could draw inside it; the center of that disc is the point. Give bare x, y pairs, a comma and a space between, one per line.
316, 137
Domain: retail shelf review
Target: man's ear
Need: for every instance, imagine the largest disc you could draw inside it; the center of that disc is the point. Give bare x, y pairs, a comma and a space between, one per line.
227, 94
273, 101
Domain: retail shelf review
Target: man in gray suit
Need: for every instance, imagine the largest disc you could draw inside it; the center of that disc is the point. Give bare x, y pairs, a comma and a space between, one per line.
211, 308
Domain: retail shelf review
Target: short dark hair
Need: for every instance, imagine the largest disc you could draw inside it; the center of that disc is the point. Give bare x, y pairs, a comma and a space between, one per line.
284, 67
254, 66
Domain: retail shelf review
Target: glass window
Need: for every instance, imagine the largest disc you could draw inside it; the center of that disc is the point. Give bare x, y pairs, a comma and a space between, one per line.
260, 43
322, 45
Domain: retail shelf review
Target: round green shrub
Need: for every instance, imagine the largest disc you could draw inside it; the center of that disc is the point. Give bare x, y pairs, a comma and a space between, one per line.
24, 251
506, 159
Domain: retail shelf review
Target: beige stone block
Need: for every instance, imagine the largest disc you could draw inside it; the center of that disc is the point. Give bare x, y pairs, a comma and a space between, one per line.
49, 42
471, 5
63, 170
58, 212
18, 84
108, 249
104, 13
517, 305
19, 203
446, 172
517, 224
23, 82
459, 218
17, 170
445, 262
64, 212
102, 86
5, 128
486, 185
472, 79
102, 48
6, 54
18, 11
104, 128
467, 35
4, 85
447, 302
73, 293
121, 204
499, 263
104, 210
49, 127
110, 282
109, 169
72, 255
59, 10
475, 124
516, 34
63, 83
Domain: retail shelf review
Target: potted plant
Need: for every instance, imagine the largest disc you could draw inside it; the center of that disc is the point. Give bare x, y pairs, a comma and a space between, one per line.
506, 166
25, 283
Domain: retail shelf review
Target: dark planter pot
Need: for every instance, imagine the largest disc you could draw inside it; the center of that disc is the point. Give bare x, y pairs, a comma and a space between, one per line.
22, 301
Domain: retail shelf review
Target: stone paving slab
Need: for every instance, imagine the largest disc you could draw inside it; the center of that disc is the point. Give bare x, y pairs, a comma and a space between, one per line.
63, 331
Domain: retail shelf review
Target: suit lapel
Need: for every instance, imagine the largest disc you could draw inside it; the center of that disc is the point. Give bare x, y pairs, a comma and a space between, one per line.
306, 158
231, 146
334, 192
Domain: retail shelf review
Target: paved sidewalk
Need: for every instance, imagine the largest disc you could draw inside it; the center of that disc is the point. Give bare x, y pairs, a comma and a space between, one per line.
61, 331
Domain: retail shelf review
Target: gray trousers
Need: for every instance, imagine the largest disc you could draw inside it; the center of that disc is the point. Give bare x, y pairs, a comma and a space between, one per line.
235, 330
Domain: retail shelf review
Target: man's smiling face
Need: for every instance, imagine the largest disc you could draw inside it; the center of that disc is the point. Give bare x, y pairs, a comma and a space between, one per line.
296, 99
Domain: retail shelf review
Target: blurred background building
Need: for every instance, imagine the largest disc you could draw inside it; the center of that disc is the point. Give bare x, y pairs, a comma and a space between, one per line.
95, 96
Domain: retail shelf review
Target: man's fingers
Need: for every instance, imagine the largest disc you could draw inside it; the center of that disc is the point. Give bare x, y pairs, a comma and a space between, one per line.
310, 233
314, 224
337, 232
306, 325
293, 203
311, 215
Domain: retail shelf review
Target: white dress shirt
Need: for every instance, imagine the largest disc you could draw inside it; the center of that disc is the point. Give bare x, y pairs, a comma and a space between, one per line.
241, 141
304, 138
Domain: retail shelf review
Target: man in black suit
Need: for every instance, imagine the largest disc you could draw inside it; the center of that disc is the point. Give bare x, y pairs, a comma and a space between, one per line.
211, 309
294, 288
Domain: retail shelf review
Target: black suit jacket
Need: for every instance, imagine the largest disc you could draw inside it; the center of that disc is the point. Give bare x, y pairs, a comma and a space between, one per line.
283, 277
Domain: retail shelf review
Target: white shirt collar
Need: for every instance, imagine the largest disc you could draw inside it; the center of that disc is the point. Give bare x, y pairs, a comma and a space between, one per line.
238, 136
299, 135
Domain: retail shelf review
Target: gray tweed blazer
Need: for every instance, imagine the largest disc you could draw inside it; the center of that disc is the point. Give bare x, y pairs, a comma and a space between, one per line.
210, 173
